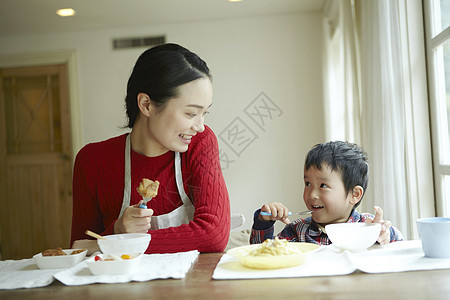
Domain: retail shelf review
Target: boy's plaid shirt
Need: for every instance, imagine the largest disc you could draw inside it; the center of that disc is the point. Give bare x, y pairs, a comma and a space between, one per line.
305, 230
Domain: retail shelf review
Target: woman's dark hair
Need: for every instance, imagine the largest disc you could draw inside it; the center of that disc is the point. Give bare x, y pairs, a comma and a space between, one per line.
158, 72
348, 159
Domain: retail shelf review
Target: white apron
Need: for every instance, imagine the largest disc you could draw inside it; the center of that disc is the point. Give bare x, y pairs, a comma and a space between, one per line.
181, 215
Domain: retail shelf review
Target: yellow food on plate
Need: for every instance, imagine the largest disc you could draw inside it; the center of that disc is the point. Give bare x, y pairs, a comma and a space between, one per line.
275, 247
273, 254
148, 188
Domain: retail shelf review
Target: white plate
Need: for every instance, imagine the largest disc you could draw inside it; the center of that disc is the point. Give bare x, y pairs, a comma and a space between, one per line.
60, 261
113, 267
272, 262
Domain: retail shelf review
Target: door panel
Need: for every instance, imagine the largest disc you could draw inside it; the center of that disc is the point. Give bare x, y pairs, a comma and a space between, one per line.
36, 161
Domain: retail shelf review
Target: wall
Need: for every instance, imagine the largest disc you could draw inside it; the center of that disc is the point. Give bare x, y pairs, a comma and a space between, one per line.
270, 63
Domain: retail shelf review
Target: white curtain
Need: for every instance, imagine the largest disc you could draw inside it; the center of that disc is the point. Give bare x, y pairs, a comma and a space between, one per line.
341, 63
389, 112
384, 135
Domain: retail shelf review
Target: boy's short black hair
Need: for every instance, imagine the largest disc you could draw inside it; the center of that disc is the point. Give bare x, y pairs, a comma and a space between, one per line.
348, 159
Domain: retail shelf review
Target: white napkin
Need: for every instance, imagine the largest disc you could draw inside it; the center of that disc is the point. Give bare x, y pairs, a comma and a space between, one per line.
152, 266
328, 261
24, 273
397, 257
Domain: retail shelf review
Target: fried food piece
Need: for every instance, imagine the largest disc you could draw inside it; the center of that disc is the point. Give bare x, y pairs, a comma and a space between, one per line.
148, 188
53, 252
77, 251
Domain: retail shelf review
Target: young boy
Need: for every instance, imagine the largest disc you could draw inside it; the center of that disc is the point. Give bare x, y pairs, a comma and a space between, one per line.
336, 175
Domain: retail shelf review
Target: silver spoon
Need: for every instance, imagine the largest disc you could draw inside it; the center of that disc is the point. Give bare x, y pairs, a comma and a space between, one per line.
306, 212
144, 204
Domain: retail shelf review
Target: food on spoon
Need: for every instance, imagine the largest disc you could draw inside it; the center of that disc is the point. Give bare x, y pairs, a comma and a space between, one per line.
275, 247
148, 188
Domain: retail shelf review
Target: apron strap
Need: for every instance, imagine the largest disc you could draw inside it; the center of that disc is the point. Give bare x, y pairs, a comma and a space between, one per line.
127, 179
179, 180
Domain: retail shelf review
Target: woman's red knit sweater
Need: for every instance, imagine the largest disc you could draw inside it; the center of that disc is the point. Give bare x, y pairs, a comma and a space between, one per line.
98, 187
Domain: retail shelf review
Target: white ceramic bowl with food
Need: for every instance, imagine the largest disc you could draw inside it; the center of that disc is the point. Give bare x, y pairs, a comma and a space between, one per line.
61, 261
355, 237
124, 243
113, 264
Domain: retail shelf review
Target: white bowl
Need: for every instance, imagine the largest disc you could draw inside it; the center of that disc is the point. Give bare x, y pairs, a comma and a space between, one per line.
113, 267
60, 261
354, 237
124, 243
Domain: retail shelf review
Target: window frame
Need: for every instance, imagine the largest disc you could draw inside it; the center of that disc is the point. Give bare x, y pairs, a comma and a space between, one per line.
436, 38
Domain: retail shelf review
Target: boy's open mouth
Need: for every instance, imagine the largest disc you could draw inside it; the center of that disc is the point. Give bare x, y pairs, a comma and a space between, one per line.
317, 207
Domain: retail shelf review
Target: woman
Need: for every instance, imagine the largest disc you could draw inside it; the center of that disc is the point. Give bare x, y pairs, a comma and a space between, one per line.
168, 94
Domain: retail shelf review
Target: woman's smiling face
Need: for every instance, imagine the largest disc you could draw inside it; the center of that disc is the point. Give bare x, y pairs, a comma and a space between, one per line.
182, 118
325, 195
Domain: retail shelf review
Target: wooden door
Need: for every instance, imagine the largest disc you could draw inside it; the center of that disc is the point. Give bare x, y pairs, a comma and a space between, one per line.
35, 160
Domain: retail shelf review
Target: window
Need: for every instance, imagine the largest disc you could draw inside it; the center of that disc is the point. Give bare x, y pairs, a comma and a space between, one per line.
437, 17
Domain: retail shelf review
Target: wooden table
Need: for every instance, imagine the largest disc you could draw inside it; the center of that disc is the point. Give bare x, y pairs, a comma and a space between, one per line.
199, 284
